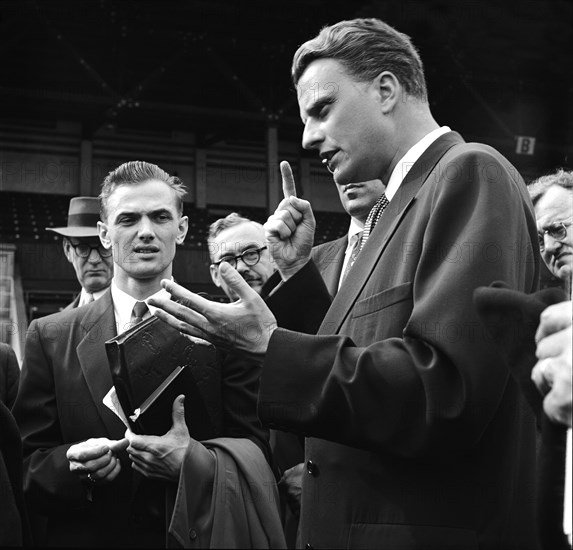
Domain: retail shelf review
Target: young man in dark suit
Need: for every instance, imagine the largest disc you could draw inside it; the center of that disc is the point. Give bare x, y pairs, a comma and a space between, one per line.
76, 471
219, 480
416, 434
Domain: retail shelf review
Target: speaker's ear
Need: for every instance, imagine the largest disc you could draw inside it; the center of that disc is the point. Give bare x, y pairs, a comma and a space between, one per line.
388, 90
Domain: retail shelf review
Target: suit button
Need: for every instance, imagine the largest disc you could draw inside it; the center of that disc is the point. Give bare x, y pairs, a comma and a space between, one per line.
308, 546
311, 468
192, 534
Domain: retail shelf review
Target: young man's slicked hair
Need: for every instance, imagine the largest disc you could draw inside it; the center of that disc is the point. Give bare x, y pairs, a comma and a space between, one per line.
366, 47
138, 171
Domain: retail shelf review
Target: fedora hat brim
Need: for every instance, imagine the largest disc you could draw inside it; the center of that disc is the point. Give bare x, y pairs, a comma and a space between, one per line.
83, 217
77, 231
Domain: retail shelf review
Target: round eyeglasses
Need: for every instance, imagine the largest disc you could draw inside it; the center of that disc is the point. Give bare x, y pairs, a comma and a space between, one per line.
250, 257
557, 231
83, 250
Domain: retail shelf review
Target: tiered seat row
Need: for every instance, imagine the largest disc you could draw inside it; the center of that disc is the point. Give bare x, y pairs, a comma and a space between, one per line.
24, 217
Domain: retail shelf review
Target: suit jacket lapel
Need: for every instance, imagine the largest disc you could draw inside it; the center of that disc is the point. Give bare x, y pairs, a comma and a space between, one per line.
370, 254
98, 326
329, 260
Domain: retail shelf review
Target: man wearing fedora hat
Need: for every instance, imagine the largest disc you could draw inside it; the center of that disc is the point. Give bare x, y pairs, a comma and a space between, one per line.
92, 262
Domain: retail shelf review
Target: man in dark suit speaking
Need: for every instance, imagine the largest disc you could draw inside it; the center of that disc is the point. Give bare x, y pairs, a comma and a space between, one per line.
77, 473
416, 434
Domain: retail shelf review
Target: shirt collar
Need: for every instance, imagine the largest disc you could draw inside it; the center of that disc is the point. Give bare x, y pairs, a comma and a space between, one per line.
408, 160
356, 226
85, 296
123, 304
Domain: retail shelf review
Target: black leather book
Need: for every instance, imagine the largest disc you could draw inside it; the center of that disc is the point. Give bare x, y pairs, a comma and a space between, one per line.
151, 364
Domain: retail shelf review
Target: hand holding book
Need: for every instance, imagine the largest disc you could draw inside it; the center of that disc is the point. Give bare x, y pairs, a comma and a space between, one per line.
151, 364
161, 457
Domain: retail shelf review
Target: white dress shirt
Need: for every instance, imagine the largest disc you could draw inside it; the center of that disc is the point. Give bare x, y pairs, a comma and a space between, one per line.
354, 233
407, 161
123, 306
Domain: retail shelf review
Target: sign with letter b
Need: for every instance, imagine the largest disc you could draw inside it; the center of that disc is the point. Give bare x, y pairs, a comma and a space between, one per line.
525, 145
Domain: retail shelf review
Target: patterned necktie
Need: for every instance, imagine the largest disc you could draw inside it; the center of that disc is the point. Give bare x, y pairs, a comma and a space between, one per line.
90, 299
353, 255
371, 221
139, 310
373, 217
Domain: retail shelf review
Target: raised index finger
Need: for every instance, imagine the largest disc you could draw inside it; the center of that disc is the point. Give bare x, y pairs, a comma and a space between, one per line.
289, 187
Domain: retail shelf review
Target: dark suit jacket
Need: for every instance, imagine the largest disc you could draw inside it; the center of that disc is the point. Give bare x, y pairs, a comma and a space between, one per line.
64, 379
9, 375
512, 319
418, 437
329, 258
14, 530
288, 449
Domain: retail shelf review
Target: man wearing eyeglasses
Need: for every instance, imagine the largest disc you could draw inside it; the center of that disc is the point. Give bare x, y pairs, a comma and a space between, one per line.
241, 243
552, 198
92, 263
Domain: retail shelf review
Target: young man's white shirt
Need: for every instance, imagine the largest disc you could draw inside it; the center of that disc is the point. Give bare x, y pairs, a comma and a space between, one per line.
123, 305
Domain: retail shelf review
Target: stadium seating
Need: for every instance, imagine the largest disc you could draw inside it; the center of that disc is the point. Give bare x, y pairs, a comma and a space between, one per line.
24, 217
